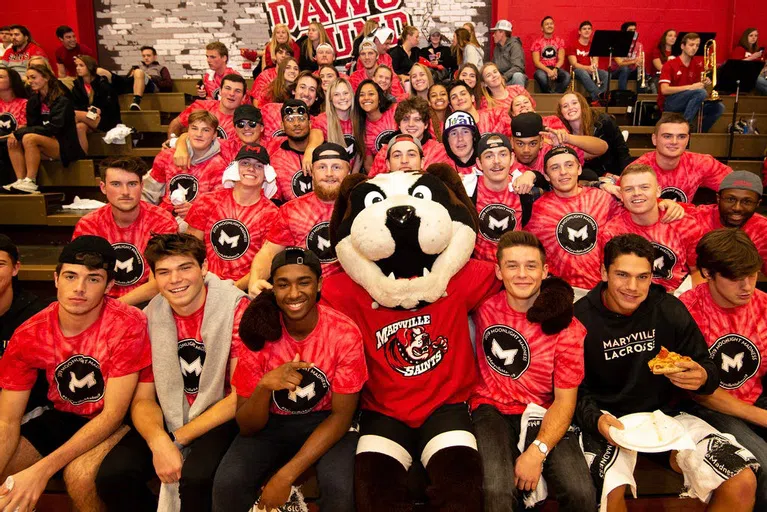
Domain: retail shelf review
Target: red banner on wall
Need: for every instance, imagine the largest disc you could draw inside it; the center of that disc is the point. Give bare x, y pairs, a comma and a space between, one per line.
343, 19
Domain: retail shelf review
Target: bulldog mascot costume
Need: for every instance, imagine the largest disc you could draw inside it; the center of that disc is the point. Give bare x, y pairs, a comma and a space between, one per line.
404, 240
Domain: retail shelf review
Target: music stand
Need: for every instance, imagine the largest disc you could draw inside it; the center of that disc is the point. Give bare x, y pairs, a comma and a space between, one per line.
737, 75
611, 43
704, 38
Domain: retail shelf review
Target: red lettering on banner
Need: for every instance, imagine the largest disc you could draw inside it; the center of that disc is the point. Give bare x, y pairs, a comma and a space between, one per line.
396, 21
348, 9
387, 5
342, 38
281, 11
311, 11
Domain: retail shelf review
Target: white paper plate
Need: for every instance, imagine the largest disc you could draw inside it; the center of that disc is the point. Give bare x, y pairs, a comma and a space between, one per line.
641, 435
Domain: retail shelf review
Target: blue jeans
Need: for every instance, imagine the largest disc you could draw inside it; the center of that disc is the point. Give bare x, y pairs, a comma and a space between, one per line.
622, 74
559, 86
750, 436
688, 103
251, 460
518, 79
565, 470
584, 77
761, 85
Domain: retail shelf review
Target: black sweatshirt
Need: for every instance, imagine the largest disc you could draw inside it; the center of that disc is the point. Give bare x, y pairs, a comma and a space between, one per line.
617, 349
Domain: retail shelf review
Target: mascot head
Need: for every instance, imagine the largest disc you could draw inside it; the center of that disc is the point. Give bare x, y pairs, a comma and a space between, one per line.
403, 235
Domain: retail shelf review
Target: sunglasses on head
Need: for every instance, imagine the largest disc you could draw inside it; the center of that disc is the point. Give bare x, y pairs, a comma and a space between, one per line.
294, 111
242, 122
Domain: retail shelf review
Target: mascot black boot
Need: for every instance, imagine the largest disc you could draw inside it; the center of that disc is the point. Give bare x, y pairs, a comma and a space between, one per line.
380, 484
455, 476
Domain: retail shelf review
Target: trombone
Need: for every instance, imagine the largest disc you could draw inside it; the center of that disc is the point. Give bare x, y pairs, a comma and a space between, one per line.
709, 64
595, 71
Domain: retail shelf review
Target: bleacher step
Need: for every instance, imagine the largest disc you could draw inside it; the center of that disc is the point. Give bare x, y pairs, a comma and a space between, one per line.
173, 102
143, 121
79, 174
29, 209
38, 262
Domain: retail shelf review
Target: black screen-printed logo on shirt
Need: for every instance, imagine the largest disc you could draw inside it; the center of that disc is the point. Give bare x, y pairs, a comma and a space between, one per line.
221, 133
664, 262
129, 265
351, 144
278, 133
673, 193
383, 138
79, 380
191, 358
216, 94
8, 123
506, 351
549, 52
737, 358
301, 183
188, 184
230, 239
307, 395
318, 241
496, 219
577, 233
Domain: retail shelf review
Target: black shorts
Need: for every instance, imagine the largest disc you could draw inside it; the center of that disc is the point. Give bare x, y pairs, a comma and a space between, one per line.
51, 429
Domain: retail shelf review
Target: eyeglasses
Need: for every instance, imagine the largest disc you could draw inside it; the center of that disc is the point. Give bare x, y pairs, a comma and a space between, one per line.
242, 122
732, 201
245, 164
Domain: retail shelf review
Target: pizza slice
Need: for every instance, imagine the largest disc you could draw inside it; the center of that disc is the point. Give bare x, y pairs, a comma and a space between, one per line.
664, 362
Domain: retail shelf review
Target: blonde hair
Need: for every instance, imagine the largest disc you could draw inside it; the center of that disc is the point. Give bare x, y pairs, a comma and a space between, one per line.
335, 133
429, 78
472, 33
308, 46
486, 90
369, 28
271, 46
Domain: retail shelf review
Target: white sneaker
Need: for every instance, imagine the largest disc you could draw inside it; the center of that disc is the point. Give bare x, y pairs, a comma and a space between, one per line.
9, 186
135, 106
26, 185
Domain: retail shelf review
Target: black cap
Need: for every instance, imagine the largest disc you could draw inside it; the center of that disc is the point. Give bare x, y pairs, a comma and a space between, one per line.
558, 150
525, 125
254, 151
72, 252
7, 245
296, 256
491, 141
293, 106
337, 150
249, 113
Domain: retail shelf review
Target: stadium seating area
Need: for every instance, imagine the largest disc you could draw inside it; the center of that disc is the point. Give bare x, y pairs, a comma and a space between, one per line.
41, 227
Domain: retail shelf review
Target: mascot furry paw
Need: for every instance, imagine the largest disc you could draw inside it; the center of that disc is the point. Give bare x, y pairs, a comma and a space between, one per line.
405, 241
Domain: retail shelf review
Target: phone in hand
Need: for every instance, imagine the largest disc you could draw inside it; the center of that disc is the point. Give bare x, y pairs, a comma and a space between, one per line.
93, 113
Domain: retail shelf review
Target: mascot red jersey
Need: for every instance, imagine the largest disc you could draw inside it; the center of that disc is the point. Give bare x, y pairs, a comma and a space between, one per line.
405, 241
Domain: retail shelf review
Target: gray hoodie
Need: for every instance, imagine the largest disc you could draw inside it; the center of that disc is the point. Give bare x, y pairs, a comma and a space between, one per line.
510, 58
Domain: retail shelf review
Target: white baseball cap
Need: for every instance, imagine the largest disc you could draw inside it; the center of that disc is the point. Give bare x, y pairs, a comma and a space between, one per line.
502, 25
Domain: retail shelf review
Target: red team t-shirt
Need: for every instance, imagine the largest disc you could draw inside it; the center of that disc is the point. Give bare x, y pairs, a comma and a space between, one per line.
305, 222
736, 338
335, 348
548, 49
505, 104
581, 52
261, 83
676, 74
378, 133
195, 180
225, 128
518, 363
67, 57
14, 59
273, 131
433, 153
417, 360
129, 243
494, 120
13, 115
674, 245
233, 233
708, 219
212, 82
320, 123
77, 368
291, 180
694, 170
499, 212
192, 350
568, 227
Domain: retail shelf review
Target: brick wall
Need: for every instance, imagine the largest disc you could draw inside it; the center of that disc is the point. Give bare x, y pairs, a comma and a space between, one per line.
180, 29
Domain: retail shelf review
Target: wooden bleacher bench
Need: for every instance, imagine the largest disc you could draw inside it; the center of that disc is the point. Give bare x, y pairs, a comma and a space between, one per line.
173, 102
189, 85
39, 262
97, 147
79, 174
144, 120
29, 209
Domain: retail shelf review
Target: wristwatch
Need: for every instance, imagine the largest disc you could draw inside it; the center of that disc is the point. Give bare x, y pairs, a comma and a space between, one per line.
544, 449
